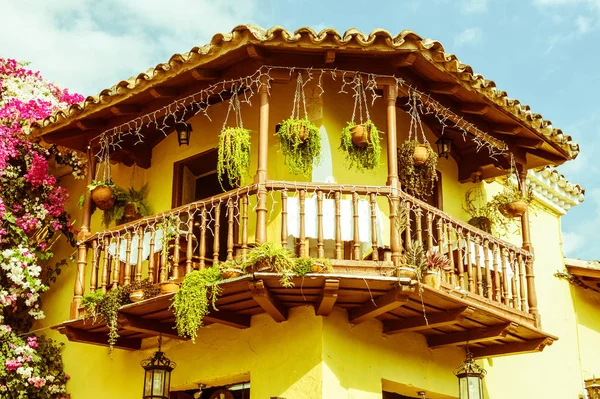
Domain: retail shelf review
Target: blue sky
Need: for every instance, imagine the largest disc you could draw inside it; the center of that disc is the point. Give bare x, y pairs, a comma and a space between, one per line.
542, 52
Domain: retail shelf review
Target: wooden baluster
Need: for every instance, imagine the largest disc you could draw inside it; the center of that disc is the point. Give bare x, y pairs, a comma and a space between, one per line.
478, 266
419, 227
105, 265
140, 258
522, 283
230, 210
245, 225
127, 268
440, 243
79, 286
217, 233
450, 274
284, 213
356, 237
116, 262
189, 251
429, 219
505, 297
163, 272
302, 234
514, 300
497, 287
338, 227
95, 260
202, 246
176, 253
469, 262
488, 274
407, 232
459, 258
374, 245
320, 244
151, 263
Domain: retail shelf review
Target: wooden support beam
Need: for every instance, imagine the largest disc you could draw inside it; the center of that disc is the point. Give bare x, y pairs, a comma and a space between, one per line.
270, 304
205, 74
404, 60
443, 87
231, 319
254, 52
89, 124
329, 56
328, 297
433, 320
535, 345
380, 305
506, 128
124, 109
82, 336
532, 144
153, 327
471, 336
474, 108
163, 92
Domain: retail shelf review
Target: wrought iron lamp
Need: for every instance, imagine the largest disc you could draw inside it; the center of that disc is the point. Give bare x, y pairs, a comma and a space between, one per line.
470, 379
592, 388
444, 145
184, 131
157, 378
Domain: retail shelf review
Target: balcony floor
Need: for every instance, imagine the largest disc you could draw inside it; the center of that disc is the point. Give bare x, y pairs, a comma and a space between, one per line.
451, 318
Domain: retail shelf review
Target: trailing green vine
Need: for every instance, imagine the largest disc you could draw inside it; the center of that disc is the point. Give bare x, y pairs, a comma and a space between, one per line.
419, 180
299, 155
106, 305
277, 259
361, 158
233, 155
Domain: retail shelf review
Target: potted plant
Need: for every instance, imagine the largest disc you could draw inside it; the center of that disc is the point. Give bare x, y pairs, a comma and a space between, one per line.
135, 205
413, 263
102, 193
191, 302
169, 286
416, 177
475, 205
511, 201
432, 273
230, 269
362, 145
304, 266
105, 305
299, 139
233, 158
267, 257
140, 290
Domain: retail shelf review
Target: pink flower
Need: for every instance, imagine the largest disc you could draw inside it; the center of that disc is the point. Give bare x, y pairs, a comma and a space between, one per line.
32, 342
12, 364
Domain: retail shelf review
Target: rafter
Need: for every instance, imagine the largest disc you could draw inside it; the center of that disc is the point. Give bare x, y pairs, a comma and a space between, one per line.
153, 327
88, 124
506, 128
404, 60
329, 56
433, 320
255, 52
532, 144
471, 336
231, 319
265, 300
536, 345
124, 109
77, 335
328, 297
474, 108
380, 305
443, 87
205, 74
163, 92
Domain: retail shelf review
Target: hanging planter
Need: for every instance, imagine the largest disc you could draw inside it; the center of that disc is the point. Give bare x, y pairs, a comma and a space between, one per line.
511, 202
299, 139
102, 193
421, 154
418, 179
233, 155
514, 209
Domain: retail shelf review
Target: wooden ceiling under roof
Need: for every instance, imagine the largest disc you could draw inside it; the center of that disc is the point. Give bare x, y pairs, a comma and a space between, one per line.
415, 67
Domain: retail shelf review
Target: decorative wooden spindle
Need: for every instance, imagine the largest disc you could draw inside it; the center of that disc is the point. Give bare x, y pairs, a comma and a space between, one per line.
245, 225
163, 272
230, 210
515, 297
284, 216
151, 262
105, 264
116, 262
338, 226
302, 233
395, 224
373, 200
419, 227
320, 243
450, 276
176, 252
470, 270
127, 265
95, 260
407, 232
217, 234
478, 265
459, 259
356, 238
137, 277
202, 246
429, 221
488, 274
79, 287
522, 283
505, 296
497, 268
189, 250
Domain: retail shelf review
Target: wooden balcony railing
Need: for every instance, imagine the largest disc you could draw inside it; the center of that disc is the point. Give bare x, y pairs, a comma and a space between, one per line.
369, 224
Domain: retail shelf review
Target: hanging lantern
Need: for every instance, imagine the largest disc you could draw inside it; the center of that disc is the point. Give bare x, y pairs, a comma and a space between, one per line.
444, 145
157, 378
470, 379
184, 131
592, 388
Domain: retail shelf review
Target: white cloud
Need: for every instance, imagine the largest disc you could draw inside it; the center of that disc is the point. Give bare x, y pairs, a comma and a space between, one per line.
474, 6
470, 36
88, 45
584, 24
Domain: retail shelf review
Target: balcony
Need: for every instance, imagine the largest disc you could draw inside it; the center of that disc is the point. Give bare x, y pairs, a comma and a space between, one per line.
486, 300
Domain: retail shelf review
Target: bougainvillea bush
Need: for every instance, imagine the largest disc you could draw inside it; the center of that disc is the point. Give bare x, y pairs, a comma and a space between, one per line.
33, 218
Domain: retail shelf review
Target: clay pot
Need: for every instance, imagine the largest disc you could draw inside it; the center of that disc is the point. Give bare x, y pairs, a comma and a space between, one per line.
169, 287
406, 274
136, 296
103, 197
514, 209
482, 223
361, 135
433, 279
421, 155
317, 268
230, 273
129, 213
261, 266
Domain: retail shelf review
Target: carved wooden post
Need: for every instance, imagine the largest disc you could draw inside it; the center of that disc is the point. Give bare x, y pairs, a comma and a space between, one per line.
261, 170
78, 290
525, 230
86, 216
390, 93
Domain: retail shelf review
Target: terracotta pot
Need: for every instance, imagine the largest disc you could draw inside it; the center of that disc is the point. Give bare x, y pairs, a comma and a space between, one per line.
406, 274
302, 132
482, 223
136, 296
169, 287
421, 155
103, 197
361, 135
230, 273
514, 209
129, 213
317, 268
261, 266
433, 279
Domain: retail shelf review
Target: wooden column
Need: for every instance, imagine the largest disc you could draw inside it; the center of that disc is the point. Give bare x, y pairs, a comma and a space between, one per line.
78, 290
261, 171
86, 212
390, 94
526, 234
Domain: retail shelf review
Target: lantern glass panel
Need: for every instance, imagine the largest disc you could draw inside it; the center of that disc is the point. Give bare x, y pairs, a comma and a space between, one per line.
158, 381
470, 387
167, 384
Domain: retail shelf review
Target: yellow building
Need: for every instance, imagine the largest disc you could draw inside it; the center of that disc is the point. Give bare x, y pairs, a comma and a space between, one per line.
366, 328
